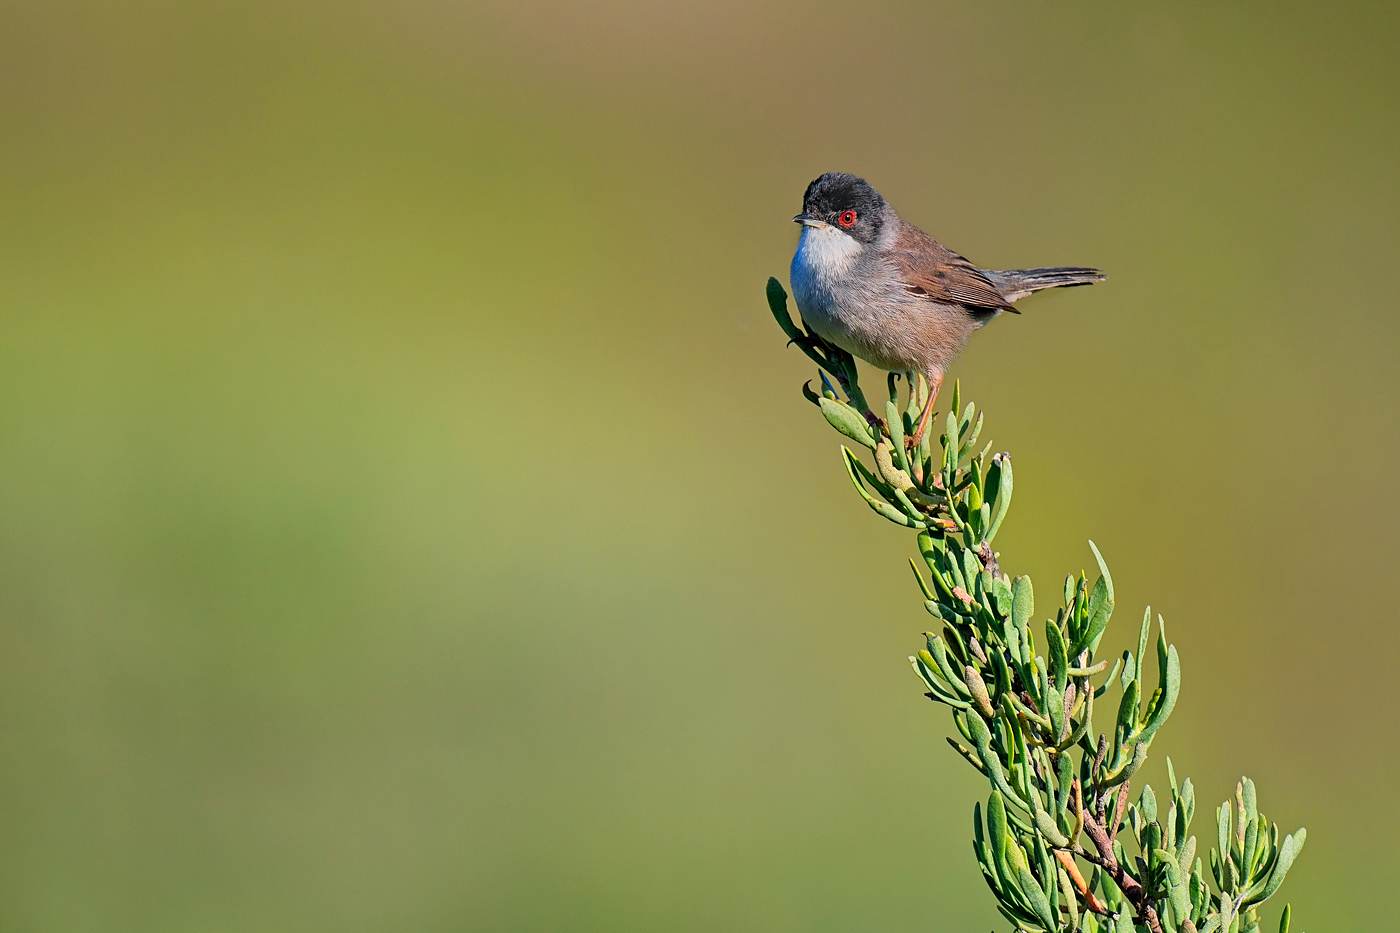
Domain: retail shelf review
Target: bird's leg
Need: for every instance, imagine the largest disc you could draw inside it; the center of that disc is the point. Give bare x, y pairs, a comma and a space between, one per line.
935, 380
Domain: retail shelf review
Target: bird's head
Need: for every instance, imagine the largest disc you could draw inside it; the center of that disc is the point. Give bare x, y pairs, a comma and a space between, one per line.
845, 203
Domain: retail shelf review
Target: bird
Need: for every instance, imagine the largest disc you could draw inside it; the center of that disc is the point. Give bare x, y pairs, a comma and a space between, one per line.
885, 291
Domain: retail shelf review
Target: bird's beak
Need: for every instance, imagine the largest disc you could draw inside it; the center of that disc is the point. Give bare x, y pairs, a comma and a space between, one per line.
806, 221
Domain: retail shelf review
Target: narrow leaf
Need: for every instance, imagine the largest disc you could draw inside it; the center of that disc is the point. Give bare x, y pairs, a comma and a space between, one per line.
1171, 686
1046, 824
1022, 602
848, 421
1100, 608
1058, 660
777, 303
1003, 497
1292, 845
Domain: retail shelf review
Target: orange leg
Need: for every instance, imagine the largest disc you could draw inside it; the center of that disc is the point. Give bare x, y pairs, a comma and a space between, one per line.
935, 381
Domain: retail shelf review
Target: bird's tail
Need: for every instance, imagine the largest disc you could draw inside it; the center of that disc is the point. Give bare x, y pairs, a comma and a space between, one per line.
1018, 283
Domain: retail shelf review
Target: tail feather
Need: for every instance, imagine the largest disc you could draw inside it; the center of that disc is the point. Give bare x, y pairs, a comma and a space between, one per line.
1018, 283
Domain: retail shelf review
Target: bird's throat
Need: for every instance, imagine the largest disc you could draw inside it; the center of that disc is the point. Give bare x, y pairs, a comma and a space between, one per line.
825, 254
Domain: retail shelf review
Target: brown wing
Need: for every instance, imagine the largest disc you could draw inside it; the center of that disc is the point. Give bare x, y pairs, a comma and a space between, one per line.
930, 270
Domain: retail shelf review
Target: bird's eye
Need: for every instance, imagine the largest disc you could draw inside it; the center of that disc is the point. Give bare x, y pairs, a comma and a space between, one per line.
847, 218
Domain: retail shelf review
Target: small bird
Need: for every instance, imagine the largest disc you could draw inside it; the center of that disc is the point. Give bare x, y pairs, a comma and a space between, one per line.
881, 289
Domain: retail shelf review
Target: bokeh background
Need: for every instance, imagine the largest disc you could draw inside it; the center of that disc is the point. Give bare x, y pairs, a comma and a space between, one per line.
409, 519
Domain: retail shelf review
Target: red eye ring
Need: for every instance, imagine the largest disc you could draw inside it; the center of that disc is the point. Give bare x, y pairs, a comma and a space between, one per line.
847, 218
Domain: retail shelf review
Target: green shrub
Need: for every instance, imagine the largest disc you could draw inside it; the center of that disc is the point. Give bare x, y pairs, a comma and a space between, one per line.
1051, 839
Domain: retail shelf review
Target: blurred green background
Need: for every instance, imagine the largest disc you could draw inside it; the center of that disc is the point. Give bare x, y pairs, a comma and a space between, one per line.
409, 519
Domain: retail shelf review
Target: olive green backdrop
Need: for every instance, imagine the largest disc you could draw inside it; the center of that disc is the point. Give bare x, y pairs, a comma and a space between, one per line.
409, 519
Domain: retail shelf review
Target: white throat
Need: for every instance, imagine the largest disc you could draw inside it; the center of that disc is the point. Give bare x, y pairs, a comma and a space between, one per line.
826, 253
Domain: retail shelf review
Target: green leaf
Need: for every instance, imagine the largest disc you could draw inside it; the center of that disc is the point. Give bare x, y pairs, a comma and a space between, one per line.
992, 485
957, 648
1188, 855
1170, 676
1128, 707
1067, 893
971, 567
1151, 835
1268, 846
1130, 768
996, 824
1249, 849
1100, 608
1022, 602
938, 692
1054, 707
1292, 845
950, 446
931, 548
1142, 642
1147, 803
848, 421
1000, 842
976, 429
923, 587
974, 498
777, 303
1222, 827
946, 668
986, 857
1030, 888
1130, 671
1055, 651
1046, 824
981, 737
1286, 919
1180, 895
953, 563
1064, 780
1002, 499
883, 509
896, 429
1001, 596
1002, 672
933, 551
